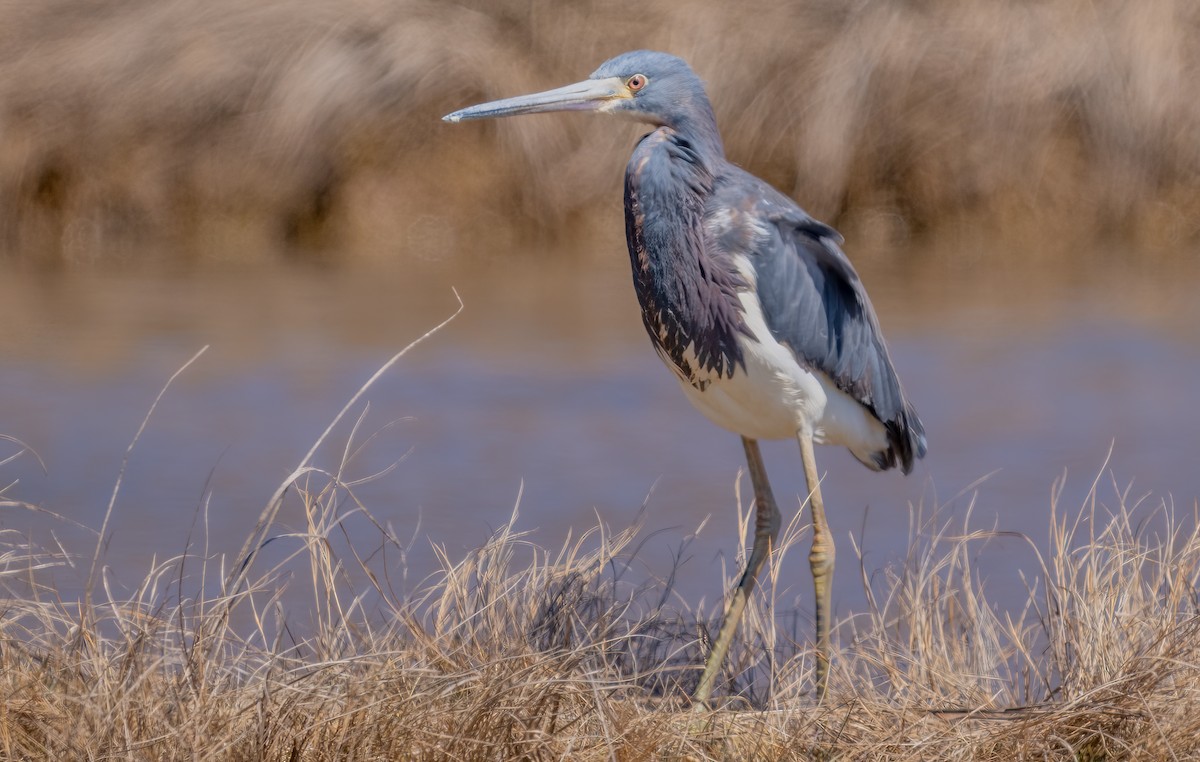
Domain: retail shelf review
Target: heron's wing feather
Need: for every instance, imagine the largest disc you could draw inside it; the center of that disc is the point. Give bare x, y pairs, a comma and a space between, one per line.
813, 302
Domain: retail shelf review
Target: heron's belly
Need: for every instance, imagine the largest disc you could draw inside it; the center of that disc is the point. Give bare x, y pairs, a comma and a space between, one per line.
775, 397
766, 401
754, 407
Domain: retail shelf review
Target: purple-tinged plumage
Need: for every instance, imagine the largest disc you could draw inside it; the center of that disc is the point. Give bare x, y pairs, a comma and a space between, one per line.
688, 293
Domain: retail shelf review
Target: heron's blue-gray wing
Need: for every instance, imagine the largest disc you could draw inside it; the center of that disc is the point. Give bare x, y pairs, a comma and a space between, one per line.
814, 302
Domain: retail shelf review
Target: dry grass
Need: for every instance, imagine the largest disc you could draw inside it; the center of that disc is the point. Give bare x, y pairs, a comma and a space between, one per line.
519, 652
225, 130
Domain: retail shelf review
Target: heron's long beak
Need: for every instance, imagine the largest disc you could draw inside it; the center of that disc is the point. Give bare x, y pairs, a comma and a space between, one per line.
589, 95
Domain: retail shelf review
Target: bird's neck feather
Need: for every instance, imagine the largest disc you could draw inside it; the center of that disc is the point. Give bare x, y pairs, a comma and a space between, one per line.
700, 130
688, 293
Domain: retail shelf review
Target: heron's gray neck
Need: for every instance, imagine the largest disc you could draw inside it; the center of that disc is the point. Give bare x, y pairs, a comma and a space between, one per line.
699, 128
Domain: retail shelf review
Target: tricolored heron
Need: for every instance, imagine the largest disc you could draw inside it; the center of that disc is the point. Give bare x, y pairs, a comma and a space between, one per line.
749, 301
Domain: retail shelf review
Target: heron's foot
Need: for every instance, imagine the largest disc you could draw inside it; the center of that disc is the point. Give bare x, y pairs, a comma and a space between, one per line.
700, 722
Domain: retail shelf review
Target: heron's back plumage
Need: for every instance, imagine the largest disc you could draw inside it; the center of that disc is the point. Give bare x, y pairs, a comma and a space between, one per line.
816, 305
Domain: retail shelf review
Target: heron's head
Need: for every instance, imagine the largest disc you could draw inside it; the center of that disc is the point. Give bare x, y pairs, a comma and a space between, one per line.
643, 85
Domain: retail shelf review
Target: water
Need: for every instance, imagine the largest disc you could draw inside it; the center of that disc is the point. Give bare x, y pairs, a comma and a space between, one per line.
546, 387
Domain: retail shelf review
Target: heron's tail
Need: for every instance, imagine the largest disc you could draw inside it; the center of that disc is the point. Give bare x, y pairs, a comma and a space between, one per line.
906, 443
909, 440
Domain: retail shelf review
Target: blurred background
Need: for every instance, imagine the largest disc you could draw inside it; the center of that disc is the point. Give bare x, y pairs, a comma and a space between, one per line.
1018, 184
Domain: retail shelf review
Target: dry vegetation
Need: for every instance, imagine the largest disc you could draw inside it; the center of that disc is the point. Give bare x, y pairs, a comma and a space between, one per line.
169, 128
519, 652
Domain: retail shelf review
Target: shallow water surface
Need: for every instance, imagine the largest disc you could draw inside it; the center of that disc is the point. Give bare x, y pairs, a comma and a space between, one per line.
546, 388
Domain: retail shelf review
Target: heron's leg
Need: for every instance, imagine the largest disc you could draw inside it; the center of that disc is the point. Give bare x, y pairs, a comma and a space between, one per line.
820, 558
766, 529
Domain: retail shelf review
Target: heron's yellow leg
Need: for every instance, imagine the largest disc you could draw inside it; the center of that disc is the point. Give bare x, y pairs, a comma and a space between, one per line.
766, 529
820, 558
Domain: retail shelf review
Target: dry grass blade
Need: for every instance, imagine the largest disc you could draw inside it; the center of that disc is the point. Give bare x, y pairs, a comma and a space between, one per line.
254, 541
112, 501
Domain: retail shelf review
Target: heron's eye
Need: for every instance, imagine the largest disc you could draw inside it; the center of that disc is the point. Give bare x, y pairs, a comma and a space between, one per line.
636, 82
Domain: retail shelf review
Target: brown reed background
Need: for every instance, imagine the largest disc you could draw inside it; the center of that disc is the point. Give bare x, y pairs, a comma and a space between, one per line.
230, 130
